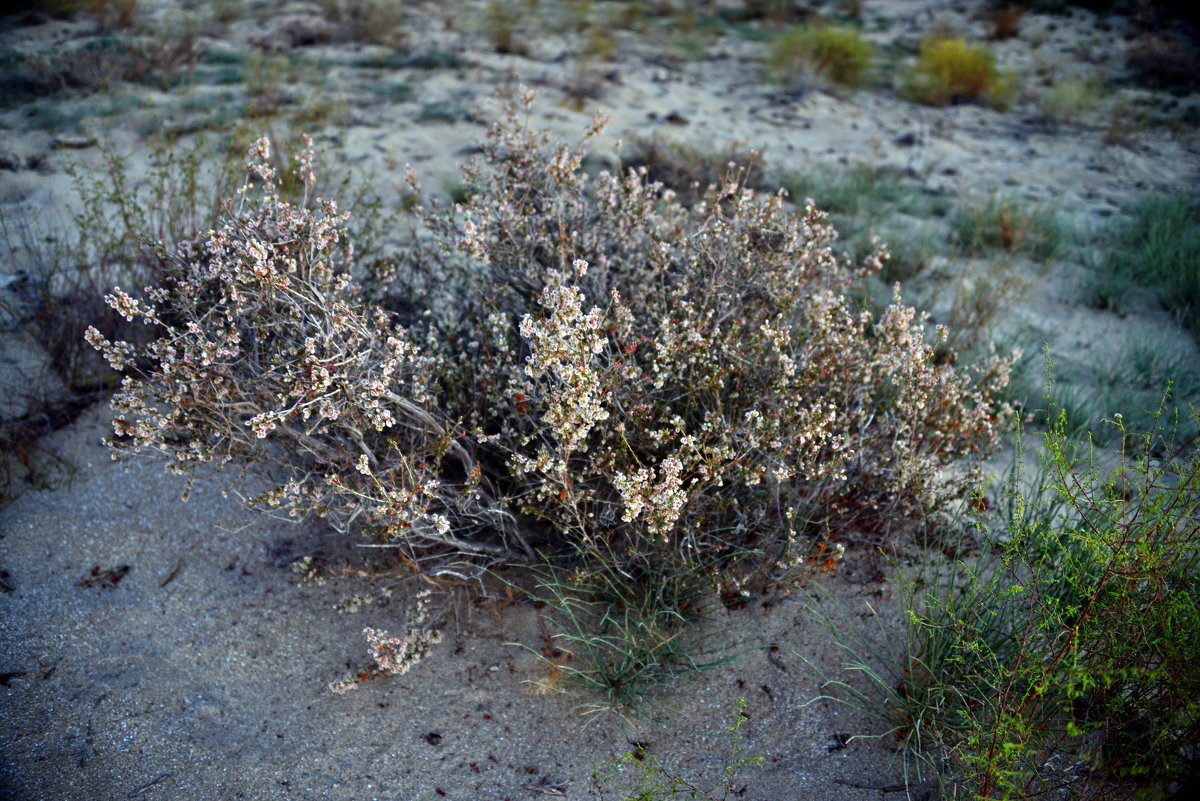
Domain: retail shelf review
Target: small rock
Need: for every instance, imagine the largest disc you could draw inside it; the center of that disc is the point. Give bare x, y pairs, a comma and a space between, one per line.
906, 140
74, 142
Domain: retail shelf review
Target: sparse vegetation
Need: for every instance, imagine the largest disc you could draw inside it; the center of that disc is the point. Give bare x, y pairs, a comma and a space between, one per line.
1011, 226
646, 779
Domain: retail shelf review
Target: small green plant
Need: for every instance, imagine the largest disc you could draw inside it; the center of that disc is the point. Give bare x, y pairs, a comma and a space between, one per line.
1064, 655
1156, 246
651, 781
838, 55
950, 70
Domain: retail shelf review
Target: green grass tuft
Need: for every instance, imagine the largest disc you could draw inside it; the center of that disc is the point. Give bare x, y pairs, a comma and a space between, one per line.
1157, 247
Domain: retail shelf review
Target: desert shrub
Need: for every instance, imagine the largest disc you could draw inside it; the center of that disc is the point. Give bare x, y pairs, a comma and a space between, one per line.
951, 71
585, 363
1064, 656
839, 55
1166, 59
264, 333
716, 397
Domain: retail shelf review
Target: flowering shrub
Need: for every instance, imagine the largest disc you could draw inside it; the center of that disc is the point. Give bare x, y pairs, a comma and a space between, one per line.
267, 356
586, 362
684, 378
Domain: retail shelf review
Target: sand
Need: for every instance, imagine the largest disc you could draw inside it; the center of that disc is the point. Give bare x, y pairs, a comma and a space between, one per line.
152, 647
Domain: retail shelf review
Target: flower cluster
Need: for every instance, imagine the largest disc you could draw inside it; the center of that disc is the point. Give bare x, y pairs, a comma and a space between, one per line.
395, 656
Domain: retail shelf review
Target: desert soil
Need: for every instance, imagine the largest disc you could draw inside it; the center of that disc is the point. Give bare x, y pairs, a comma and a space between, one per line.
155, 647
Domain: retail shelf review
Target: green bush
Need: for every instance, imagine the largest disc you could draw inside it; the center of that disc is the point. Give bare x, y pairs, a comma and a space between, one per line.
951, 71
1065, 656
839, 55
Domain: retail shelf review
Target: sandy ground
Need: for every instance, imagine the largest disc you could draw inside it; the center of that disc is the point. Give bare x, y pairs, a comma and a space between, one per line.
198, 667
202, 672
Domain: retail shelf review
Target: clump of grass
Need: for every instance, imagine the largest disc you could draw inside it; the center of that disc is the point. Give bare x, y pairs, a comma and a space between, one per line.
861, 191
1156, 246
1154, 364
826, 53
950, 71
1009, 225
625, 636
1064, 656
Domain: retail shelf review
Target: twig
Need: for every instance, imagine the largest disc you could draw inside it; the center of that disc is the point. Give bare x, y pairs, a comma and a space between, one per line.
149, 784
